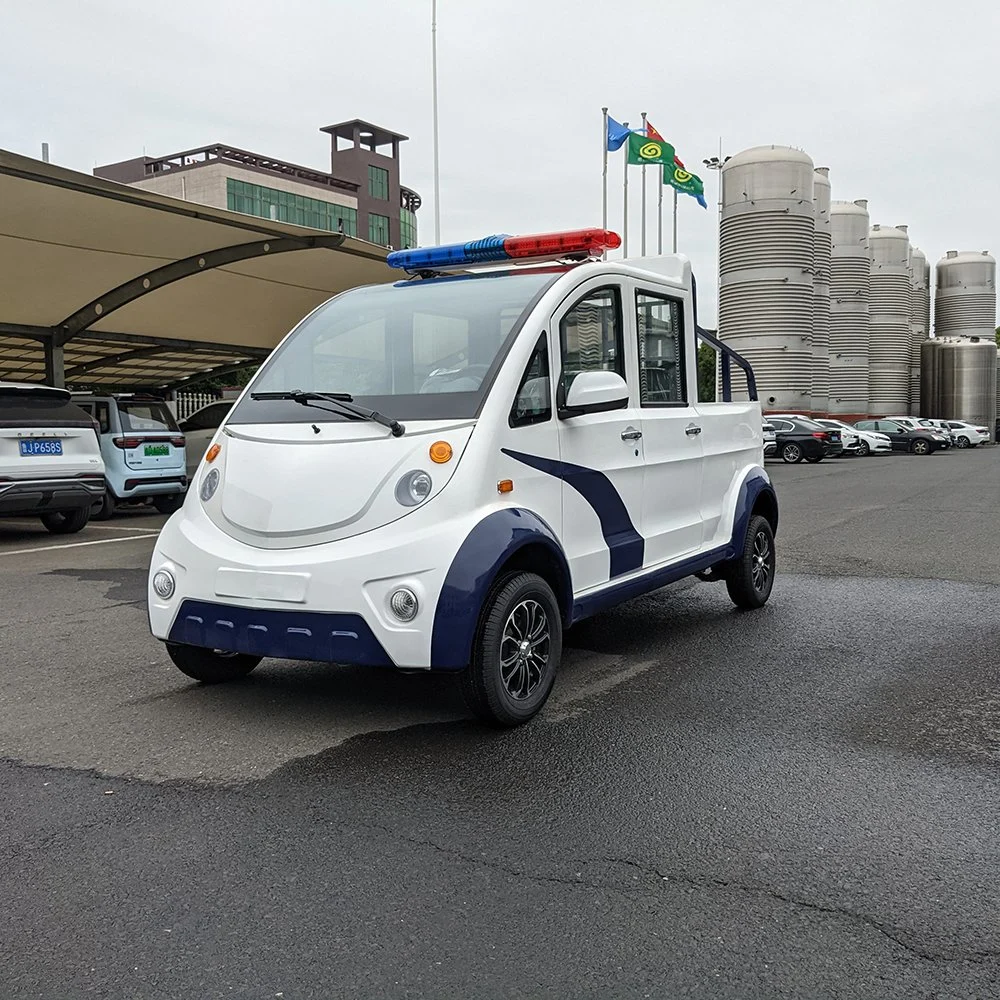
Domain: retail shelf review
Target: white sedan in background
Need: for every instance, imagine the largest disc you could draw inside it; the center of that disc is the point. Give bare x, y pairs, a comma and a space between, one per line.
968, 435
859, 442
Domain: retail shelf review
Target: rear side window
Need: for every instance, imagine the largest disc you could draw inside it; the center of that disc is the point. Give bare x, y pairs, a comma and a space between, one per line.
147, 416
209, 418
533, 402
661, 351
590, 336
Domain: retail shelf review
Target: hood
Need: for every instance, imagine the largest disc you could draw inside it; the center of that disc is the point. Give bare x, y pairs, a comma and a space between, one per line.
285, 485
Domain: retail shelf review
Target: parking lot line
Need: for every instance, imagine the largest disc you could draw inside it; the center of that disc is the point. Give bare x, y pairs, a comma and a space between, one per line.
112, 527
74, 545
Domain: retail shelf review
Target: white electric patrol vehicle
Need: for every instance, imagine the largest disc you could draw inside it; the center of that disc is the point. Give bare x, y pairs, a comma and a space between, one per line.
446, 472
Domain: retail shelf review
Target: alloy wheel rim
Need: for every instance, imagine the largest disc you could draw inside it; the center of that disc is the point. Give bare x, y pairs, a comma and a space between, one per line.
524, 649
792, 451
760, 569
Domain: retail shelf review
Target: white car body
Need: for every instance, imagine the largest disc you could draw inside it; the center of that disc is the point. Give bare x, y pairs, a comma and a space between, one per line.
968, 435
50, 457
877, 443
199, 430
303, 543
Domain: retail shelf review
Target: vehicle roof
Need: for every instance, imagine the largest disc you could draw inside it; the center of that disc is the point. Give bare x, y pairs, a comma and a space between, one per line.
32, 387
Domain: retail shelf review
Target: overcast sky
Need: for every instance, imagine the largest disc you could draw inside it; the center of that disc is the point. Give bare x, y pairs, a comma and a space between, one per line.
898, 99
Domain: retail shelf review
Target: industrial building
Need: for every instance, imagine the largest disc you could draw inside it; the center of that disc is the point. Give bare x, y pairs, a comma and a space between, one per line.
360, 196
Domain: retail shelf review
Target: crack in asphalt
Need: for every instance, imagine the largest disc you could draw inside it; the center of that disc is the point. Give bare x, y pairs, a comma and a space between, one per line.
890, 933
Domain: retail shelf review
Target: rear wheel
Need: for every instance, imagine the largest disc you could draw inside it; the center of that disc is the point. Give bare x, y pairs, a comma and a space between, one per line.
517, 650
791, 453
920, 447
168, 504
66, 522
211, 666
864, 450
814, 458
107, 507
750, 576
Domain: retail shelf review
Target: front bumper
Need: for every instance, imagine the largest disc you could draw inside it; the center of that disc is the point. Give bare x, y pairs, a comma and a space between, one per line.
326, 602
41, 496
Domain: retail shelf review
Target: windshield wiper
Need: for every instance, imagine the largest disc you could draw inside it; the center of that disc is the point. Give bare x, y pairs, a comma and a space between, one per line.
344, 400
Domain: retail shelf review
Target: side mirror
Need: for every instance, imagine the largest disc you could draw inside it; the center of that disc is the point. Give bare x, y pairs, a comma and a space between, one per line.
595, 392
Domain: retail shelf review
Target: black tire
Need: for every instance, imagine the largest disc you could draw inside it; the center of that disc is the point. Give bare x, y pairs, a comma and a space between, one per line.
508, 681
921, 447
169, 504
750, 576
864, 450
66, 522
963, 442
107, 508
813, 459
791, 453
211, 666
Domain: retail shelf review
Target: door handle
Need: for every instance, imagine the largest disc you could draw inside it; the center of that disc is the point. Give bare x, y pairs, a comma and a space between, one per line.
631, 434
692, 430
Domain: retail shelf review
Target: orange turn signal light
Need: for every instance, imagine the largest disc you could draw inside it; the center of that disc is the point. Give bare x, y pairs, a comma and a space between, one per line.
440, 452
505, 486
213, 453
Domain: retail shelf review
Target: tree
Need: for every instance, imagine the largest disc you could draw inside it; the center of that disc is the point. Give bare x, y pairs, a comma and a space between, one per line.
706, 373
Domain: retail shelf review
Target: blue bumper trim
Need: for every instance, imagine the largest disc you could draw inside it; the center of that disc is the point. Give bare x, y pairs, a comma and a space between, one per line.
286, 635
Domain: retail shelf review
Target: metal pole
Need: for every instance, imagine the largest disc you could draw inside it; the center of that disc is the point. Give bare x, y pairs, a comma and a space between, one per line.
437, 176
45, 152
625, 205
604, 200
659, 217
642, 227
675, 220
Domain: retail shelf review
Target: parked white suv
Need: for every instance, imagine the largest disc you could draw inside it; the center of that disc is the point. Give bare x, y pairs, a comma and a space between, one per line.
446, 471
50, 457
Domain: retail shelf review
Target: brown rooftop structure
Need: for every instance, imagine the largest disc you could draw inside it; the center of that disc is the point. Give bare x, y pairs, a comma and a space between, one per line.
104, 284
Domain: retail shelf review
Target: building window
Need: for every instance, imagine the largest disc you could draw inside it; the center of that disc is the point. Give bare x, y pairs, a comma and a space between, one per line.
378, 229
407, 229
283, 206
378, 182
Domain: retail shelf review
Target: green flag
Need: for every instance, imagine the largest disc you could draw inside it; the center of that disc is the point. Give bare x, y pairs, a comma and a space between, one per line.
679, 178
644, 150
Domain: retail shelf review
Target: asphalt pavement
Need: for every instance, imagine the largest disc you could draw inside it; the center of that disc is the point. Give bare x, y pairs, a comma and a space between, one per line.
798, 802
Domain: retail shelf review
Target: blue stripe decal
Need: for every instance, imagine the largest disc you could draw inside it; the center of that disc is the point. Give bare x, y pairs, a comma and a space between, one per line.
625, 544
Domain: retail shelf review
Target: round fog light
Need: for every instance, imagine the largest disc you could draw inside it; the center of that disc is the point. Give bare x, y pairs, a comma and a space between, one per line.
403, 604
163, 584
209, 485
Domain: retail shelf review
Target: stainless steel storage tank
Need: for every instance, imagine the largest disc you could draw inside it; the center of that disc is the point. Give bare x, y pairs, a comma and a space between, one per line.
965, 302
919, 319
891, 296
766, 256
850, 327
967, 372
820, 380
930, 379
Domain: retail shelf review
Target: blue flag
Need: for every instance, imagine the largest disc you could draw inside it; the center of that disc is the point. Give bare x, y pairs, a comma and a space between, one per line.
701, 201
617, 134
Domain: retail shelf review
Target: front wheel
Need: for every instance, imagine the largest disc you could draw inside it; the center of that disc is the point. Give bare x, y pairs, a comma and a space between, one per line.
921, 448
750, 576
864, 450
518, 646
791, 453
211, 666
66, 522
963, 442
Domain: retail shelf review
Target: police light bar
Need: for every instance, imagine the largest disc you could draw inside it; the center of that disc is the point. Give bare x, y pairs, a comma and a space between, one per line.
543, 246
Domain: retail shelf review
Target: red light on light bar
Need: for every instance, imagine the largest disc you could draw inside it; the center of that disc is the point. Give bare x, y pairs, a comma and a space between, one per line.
588, 241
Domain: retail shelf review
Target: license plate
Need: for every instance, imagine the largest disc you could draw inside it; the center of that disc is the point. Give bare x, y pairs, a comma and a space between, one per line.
40, 446
152, 450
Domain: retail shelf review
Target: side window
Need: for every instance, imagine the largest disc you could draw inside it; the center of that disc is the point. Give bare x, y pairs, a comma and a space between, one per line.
781, 425
103, 417
533, 402
662, 379
590, 336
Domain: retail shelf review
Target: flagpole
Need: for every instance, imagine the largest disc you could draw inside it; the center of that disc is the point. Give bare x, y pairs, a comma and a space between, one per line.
604, 201
642, 227
659, 219
675, 220
437, 176
625, 204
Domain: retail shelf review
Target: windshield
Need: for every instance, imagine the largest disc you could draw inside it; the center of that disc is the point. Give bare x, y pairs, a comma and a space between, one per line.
425, 349
146, 417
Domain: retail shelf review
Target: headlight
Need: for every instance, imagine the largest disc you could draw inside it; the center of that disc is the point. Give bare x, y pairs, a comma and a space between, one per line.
414, 488
163, 584
209, 485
